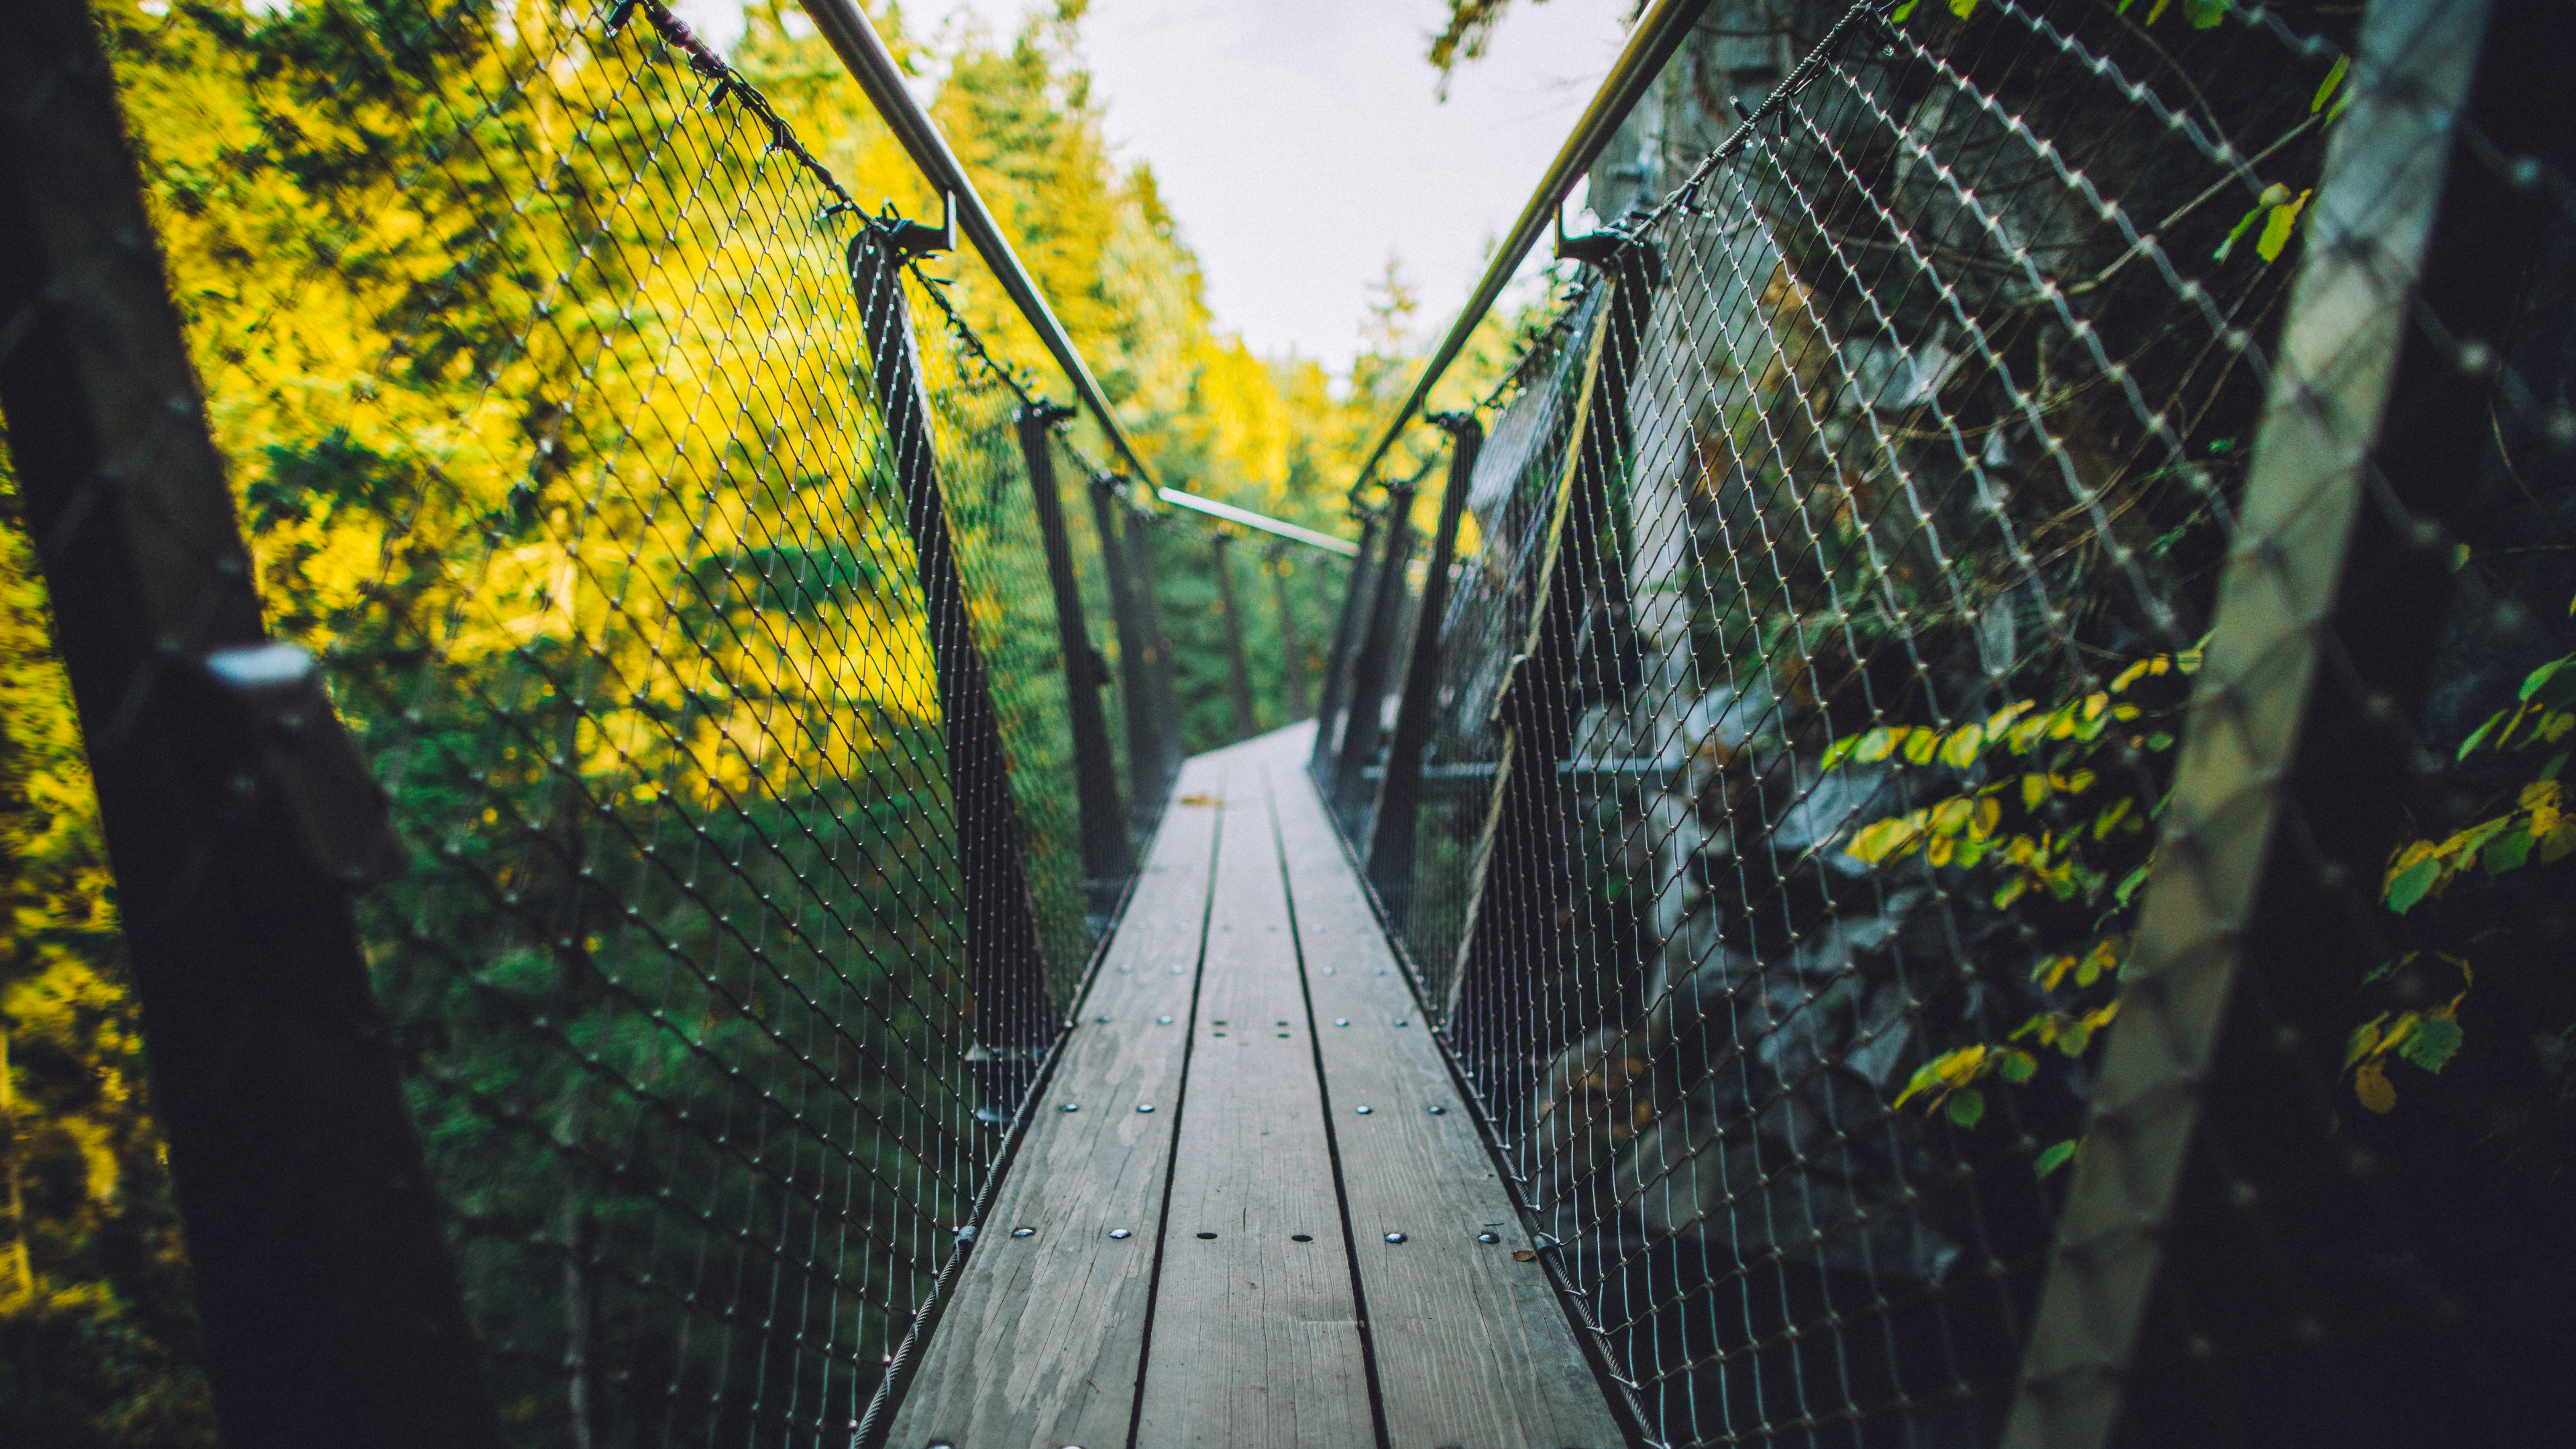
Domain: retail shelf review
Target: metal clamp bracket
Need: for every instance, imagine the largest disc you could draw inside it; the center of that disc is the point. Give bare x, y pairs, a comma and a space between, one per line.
907, 238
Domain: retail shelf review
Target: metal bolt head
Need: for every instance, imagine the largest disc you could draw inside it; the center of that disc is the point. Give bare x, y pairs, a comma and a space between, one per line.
1395, 1237
1438, 1111
1165, 1020
1144, 1106
1024, 1232
1363, 1111
1489, 1237
1341, 1021
1120, 1233
1072, 1107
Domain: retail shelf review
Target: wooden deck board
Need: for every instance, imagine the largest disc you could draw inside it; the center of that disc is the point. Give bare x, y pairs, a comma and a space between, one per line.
1472, 1347
1254, 1338
1040, 1345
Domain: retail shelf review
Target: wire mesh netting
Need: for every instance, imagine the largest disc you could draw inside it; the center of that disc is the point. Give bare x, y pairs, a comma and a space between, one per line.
1001, 555
1901, 575
667, 551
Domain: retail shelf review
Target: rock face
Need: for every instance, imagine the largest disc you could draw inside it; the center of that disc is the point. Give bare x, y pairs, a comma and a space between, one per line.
1934, 420
1876, 480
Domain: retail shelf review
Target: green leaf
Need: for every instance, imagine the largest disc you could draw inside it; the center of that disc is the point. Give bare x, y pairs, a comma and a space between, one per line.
2276, 232
1963, 8
2129, 885
2018, 1067
1840, 751
2236, 234
1905, 11
2057, 1155
2203, 14
2110, 817
2334, 78
2552, 685
2478, 736
1967, 1108
1960, 749
1919, 746
2413, 884
2508, 852
2160, 741
2432, 1043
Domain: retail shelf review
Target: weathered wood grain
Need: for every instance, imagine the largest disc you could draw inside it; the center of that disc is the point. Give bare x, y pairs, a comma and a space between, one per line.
1472, 1348
1255, 1340
1041, 1342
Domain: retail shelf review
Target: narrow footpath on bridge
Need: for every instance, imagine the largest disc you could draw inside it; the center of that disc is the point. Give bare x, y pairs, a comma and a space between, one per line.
1251, 1208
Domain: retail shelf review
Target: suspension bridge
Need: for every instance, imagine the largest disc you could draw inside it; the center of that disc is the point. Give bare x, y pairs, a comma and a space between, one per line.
1933, 820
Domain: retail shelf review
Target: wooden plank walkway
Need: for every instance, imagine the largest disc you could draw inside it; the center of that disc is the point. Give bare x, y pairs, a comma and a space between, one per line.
1256, 1209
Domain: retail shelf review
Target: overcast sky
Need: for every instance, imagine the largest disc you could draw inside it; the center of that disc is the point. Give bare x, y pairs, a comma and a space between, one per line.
1300, 142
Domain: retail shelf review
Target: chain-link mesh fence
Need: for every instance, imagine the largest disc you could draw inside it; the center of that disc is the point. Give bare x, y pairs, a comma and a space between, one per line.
638, 597
1990, 838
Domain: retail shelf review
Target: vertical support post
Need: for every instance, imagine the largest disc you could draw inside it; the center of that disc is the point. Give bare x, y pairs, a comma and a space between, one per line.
1364, 711
1576, 651
1015, 1017
1292, 647
1149, 767
1399, 793
2288, 791
238, 815
1167, 704
1095, 780
1355, 591
1238, 673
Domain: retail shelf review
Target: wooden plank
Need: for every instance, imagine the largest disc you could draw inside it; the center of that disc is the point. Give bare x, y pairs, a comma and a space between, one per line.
1472, 1348
1041, 1342
1255, 1336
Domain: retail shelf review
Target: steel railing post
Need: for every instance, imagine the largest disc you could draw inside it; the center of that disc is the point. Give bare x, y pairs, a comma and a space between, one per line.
1014, 1013
2338, 598
1105, 854
1399, 793
1158, 653
1355, 591
238, 815
1292, 647
1238, 676
1145, 756
1577, 651
1364, 704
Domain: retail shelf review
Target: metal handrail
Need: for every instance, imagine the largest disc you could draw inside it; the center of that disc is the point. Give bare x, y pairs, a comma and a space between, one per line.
1262, 521
873, 66
1652, 43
